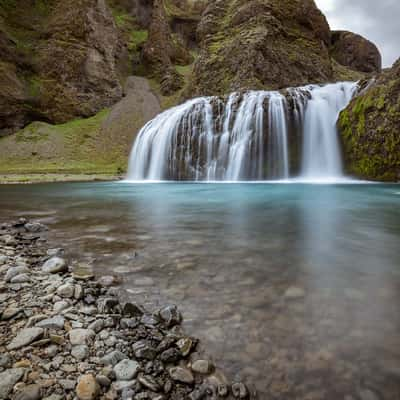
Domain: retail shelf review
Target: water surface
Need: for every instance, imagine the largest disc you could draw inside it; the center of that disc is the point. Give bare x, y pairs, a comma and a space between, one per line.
294, 287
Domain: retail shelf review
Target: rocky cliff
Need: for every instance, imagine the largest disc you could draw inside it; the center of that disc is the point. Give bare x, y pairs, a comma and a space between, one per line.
62, 62
370, 128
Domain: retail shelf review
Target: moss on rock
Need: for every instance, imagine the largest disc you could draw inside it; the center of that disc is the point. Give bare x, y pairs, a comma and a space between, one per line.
370, 129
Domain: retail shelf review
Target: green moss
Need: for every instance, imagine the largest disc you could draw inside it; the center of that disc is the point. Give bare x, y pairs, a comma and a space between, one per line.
137, 39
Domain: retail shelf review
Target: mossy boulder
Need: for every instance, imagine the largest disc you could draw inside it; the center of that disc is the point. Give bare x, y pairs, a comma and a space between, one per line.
370, 129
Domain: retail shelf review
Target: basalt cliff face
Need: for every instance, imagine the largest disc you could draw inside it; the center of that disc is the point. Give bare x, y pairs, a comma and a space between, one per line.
64, 62
370, 128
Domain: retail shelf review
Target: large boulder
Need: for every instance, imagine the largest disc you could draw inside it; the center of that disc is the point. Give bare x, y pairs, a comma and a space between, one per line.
356, 52
370, 129
261, 44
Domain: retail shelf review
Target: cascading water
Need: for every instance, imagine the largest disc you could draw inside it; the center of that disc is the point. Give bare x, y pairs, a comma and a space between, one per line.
247, 136
321, 150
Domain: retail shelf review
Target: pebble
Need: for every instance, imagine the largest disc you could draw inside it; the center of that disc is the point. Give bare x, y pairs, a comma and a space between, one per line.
54, 265
15, 271
202, 367
30, 392
21, 278
87, 388
293, 293
170, 315
56, 322
181, 375
126, 370
80, 352
81, 336
25, 337
113, 358
8, 379
66, 291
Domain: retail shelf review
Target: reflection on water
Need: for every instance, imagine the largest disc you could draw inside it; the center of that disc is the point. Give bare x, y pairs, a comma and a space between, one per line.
294, 287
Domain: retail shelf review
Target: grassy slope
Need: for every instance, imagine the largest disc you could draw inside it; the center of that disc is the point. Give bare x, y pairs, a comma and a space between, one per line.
67, 148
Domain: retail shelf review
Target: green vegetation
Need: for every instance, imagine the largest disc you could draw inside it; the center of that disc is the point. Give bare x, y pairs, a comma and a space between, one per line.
137, 39
69, 148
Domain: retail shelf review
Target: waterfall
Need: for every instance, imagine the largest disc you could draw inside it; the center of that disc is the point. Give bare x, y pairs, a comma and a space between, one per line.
245, 136
321, 149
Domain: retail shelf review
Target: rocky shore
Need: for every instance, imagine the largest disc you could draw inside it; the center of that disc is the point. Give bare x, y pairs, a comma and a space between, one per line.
66, 335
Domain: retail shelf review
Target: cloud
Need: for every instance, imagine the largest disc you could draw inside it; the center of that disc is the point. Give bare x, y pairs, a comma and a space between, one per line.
377, 21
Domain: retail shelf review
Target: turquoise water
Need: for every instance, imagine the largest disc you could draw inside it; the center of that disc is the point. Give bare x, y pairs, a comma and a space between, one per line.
294, 287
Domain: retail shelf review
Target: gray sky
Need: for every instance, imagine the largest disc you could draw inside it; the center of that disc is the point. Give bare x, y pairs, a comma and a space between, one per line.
378, 21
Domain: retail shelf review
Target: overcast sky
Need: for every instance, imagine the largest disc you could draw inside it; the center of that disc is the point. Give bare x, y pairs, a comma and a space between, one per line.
378, 21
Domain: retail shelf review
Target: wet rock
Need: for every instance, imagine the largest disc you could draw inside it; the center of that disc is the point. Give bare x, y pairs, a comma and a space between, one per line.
239, 391
35, 227
106, 305
202, 367
30, 392
143, 349
170, 315
149, 382
8, 379
171, 355
132, 310
66, 291
81, 336
107, 281
54, 265
185, 345
56, 322
223, 390
294, 293
87, 388
126, 370
25, 337
180, 374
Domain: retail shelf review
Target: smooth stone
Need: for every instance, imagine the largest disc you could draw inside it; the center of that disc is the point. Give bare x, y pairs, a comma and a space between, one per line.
202, 367
149, 382
3, 260
10, 312
80, 336
52, 350
142, 349
82, 273
103, 380
8, 379
5, 360
78, 293
185, 346
25, 337
14, 271
55, 252
66, 291
180, 374
294, 293
113, 358
97, 325
30, 392
119, 386
60, 306
21, 278
54, 265
80, 352
67, 384
56, 322
87, 388
126, 370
